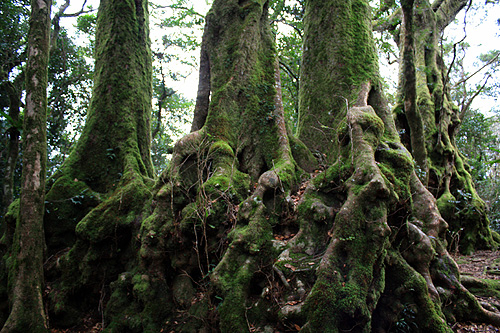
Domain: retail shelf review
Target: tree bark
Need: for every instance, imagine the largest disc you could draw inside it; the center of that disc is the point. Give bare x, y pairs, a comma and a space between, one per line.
342, 66
25, 260
114, 148
117, 133
97, 197
203, 95
429, 120
408, 82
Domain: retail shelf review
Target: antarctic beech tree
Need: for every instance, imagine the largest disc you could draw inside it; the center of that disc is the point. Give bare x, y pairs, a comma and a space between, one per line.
25, 257
429, 121
113, 152
99, 192
238, 234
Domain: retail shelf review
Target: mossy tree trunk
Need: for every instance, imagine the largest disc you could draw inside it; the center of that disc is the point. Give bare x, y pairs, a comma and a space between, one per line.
343, 67
26, 254
225, 240
97, 196
429, 120
213, 213
117, 133
113, 151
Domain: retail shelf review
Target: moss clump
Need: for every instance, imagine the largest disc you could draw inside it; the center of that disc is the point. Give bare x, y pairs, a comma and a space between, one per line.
404, 287
68, 201
138, 304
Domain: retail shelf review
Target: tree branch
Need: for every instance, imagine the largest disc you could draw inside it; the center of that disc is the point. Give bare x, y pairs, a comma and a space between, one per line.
466, 107
178, 7
60, 13
290, 71
297, 30
389, 23
446, 10
480, 69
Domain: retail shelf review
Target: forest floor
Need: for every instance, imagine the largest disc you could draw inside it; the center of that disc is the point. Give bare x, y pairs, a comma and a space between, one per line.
481, 265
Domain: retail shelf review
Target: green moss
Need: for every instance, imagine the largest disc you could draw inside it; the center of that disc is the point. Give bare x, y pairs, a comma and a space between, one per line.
67, 202
446, 205
482, 287
118, 121
407, 286
336, 61
145, 309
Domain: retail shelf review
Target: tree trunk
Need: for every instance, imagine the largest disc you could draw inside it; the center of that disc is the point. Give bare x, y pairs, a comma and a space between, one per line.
97, 197
343, 67
114, 148
430, 119
117, 133
241, 156
25, 259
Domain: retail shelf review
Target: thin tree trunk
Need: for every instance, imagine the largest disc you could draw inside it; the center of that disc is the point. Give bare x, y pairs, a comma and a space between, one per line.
408, 82
26, 258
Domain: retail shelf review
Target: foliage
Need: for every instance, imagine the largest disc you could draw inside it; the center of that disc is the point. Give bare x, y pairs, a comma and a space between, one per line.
70, 77
182, 27
286, 19
176, 116
13, 31
478, 139
85, 25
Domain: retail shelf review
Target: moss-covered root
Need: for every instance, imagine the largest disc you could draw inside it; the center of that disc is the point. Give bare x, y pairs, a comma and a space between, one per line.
250, 249
406, 303
458, 303
423, 233
102, 249
350, 276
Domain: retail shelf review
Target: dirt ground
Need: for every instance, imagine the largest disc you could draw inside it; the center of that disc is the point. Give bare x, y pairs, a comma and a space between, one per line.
483, 265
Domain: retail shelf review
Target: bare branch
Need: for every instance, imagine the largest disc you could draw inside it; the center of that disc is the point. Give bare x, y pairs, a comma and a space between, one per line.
480, 69
467, 105
289, 71
285, 22
179, 8
60, 13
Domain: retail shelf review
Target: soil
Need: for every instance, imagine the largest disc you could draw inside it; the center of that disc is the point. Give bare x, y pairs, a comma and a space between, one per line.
482, 265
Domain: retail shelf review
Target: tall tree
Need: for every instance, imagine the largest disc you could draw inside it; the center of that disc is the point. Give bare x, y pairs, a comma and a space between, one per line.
430, 120
25, 260
114, 147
